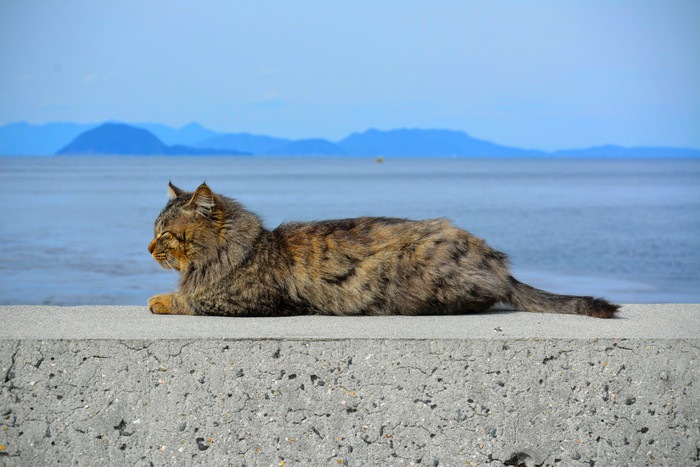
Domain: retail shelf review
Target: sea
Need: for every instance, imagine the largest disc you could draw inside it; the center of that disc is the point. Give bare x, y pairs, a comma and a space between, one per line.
75, 230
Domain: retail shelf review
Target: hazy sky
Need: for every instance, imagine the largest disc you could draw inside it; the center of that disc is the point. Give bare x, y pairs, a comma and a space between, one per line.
535, 74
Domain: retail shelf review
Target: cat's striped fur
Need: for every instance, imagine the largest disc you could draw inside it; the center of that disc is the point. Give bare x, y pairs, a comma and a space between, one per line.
230, 265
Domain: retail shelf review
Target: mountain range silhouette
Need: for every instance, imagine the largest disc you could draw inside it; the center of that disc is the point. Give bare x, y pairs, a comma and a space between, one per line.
194, 139
121, 139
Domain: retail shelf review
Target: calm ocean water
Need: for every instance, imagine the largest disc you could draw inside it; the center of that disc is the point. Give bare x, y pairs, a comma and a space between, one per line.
75, 230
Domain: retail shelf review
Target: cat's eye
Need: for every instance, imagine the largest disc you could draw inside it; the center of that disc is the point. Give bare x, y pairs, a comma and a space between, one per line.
177, 237
165, 236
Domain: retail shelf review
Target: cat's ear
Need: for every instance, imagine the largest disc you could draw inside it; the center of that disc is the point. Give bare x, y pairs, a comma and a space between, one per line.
203, 200
173, 191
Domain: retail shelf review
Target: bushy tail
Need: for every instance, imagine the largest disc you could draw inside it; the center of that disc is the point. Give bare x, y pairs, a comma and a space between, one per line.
527, 298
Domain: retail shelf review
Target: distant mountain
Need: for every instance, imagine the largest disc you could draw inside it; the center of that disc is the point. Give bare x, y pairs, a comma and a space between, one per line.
426, 143
309, 147
21, 139
121, 139
619, 151
25, 139
47, 139
188, 135
254, 144
269, 146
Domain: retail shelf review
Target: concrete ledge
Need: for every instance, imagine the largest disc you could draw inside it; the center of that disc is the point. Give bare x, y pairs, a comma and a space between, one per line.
119, 386
671, 321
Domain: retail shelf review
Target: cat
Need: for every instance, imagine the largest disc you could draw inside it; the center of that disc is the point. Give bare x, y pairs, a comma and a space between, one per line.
230, 265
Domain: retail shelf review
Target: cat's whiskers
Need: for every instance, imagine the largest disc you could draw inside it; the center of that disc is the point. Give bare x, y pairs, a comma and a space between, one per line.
167, 261
163, 259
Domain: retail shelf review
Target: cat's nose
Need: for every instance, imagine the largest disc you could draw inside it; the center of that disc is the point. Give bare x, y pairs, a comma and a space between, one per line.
152, 246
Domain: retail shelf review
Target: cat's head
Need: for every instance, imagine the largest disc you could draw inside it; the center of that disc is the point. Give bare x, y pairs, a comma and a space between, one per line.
190, 228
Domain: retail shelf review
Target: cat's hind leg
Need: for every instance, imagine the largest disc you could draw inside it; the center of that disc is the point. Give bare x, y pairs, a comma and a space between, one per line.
169, 304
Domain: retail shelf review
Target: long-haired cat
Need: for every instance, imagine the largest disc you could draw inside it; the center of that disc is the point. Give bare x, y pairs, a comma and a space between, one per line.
230, 265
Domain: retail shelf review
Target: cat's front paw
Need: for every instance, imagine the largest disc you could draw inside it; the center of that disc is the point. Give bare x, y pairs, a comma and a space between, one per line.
161, 304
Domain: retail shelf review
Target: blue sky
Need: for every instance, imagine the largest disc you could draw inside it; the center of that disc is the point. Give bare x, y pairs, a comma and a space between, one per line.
543, 75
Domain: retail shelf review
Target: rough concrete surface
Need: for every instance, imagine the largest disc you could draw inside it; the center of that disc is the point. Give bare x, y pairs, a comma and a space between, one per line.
668, 321
273, 400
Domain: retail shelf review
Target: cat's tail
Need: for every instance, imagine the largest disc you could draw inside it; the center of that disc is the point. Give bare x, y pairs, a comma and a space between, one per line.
527, 298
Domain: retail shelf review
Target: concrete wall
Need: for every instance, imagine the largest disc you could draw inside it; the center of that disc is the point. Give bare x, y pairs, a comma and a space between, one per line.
118, 386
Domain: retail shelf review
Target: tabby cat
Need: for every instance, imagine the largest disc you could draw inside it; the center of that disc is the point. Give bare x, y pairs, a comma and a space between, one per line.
230, 265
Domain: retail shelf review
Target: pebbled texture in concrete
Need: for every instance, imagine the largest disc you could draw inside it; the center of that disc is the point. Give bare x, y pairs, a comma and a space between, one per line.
328, 400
